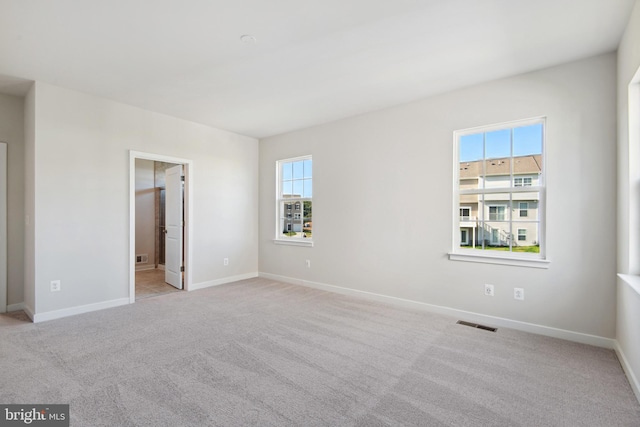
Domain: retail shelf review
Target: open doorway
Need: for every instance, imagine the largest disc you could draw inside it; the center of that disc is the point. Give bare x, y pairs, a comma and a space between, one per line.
152, 231
160, 215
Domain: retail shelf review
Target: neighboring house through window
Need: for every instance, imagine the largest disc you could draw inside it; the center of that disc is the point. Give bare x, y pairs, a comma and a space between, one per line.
294, 192
500, 179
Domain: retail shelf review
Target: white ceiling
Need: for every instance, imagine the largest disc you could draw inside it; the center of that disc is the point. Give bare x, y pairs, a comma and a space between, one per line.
314, 61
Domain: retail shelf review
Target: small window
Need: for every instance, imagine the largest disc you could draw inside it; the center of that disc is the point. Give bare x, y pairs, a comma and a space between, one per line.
294, 192
522, 234
465, 214
522, 182
524, 210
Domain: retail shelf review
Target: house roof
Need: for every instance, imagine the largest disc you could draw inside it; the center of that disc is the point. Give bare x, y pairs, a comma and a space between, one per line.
531, 164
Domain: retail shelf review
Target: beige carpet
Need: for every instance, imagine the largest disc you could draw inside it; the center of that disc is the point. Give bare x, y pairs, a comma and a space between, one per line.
263, 353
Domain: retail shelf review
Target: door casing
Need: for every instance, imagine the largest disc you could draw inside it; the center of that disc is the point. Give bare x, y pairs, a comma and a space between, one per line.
188, 215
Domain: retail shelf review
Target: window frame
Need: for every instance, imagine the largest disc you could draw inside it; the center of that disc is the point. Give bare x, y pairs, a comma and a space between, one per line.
289, 206
536, 260
526, 210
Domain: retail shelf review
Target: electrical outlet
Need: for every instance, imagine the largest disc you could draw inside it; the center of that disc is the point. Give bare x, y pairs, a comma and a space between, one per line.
488, 290
55, 285
225, 261
308, 263
518, 293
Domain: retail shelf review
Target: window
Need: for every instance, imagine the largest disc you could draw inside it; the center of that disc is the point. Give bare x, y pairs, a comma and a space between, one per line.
465, 214
522, 182
522, 234
496, 213
499, 176
294, 192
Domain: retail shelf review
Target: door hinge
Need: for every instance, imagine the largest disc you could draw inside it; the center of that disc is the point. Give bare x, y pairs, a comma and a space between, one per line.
182, 178
182, 268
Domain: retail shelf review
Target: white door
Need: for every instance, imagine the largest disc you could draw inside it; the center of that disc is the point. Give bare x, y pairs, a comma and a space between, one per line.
173, 226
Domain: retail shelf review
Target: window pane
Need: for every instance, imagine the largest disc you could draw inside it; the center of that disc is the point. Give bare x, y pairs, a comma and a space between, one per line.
498, 144
308, 188
527, 140
497, 173
527, 238
290, 221
287, 189
529, 202
298, 170
287, 171
470, 148
307, 226
308, 169
496, 235
297, 188
497, 207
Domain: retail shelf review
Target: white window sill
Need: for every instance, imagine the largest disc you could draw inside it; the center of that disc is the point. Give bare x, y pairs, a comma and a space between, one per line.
632, 280
498, 259
294, 242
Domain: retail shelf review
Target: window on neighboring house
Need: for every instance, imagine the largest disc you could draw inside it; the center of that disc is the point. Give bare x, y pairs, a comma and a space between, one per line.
465, 214
496, 213
294, 191
500, 169
522, 182
522, 234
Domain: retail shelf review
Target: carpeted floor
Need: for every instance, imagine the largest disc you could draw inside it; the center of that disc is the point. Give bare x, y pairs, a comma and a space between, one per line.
263, 353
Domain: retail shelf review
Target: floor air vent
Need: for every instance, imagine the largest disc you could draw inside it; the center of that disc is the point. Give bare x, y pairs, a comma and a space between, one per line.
477, 326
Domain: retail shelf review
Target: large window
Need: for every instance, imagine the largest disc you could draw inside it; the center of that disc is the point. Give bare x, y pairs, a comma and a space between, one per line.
500, 176
294, 222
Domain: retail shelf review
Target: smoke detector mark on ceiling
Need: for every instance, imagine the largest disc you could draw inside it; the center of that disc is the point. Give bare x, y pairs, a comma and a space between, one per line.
248, 39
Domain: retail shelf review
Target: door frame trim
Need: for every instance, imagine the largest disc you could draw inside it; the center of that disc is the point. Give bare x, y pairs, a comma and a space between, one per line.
188, 214
4, 229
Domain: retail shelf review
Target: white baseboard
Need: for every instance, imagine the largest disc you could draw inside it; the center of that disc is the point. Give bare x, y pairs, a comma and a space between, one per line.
631, 376
15, 307
224, 280
65, 312
29, 311
463, 315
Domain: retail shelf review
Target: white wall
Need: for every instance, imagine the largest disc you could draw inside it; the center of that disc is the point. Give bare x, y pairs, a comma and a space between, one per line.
81, 158
628, 309
145, 211
383, 200
12, 132
29, 200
